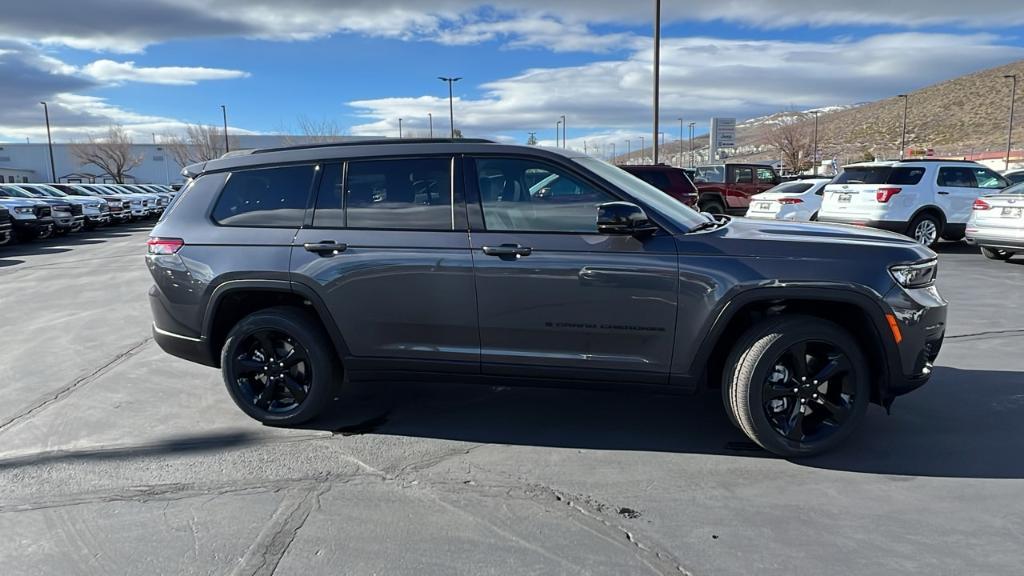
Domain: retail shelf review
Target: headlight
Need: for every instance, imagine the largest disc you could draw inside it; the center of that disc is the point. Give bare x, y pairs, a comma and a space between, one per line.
24, 210
919, 275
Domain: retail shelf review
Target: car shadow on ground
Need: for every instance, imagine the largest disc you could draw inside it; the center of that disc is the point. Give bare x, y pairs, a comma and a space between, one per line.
964, 423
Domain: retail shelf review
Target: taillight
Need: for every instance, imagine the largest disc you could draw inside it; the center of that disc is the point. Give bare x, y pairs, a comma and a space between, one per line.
980, 204
884, 194
164, 246
790, 201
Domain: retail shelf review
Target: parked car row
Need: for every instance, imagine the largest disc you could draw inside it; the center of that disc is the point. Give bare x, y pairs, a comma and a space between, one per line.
37, 211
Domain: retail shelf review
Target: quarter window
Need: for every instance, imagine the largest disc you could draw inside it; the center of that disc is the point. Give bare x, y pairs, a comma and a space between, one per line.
524, 195
265, 197
405, 194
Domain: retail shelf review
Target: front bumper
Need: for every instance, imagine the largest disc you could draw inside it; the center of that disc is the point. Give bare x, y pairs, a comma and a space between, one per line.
920, 317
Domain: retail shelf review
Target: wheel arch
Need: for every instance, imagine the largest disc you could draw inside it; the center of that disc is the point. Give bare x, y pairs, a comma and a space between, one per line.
856, 309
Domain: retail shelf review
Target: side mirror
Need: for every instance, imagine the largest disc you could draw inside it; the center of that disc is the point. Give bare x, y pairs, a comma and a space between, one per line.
623, 218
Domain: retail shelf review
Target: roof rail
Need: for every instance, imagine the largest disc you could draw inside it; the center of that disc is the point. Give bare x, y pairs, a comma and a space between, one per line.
376, 142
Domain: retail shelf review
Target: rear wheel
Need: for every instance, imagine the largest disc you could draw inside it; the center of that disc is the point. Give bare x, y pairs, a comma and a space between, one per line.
797, 385
926, 229
279, 367
995, 254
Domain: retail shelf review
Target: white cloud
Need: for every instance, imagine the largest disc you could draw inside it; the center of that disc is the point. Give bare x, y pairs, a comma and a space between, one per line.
111, 72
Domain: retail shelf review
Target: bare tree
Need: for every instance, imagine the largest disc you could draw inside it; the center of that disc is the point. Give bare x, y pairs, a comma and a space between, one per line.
200, 144
112, 153
792, 138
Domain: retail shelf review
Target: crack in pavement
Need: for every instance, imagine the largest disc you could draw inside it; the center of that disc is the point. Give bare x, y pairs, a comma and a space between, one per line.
68, 389
263, 556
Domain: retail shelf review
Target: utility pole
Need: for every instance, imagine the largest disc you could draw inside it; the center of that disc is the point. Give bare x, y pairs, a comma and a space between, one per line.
1009, 132
224, 112
49, 141
430, 118
563, 130
657, 72
903, 141
815, 159
691, 125
451, 98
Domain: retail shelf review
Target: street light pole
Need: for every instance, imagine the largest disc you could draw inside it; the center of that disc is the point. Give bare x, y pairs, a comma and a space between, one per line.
430, 118
49, 141
903, 140
657, 72
815, 159
691, 125
451, 99
224, 112
1009, 132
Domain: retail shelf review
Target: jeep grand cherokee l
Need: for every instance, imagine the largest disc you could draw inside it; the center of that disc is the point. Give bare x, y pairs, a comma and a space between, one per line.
473, 261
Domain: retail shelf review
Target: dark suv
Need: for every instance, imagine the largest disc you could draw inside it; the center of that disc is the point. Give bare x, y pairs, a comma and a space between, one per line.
473, 261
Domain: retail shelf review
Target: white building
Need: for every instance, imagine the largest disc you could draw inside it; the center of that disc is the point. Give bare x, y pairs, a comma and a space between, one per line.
21, 162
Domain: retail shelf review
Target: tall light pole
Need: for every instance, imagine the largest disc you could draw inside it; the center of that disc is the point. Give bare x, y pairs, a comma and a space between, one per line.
1009, 132
657, 72
224, 112
903, 140
815, 159
451, 98
430, 118
563, 130
558, 132
49, 141
399, 127
691, 125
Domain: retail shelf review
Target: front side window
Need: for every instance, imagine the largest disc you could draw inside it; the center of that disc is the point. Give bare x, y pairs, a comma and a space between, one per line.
265, 197
743, 175
957, 177
529, 196
401, 194
988, 179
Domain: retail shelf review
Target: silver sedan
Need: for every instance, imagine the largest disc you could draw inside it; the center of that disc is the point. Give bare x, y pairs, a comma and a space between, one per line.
997, 223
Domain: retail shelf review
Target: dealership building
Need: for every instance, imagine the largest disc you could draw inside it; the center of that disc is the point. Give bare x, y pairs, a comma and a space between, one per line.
30, 162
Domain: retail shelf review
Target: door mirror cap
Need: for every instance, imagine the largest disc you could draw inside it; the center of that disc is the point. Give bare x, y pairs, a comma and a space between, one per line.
623, 218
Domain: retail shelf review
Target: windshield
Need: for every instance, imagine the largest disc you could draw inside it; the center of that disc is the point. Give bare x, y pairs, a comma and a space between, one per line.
714, 173
1015, 189
649, 195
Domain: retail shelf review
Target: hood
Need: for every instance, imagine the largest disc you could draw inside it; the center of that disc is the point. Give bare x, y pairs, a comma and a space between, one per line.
785, 239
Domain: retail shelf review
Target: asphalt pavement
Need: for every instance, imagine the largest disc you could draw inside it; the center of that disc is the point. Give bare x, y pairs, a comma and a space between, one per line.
116, 458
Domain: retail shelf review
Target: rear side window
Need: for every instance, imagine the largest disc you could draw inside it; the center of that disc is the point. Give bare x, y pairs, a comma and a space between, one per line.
265, 197
906, 176
403, 194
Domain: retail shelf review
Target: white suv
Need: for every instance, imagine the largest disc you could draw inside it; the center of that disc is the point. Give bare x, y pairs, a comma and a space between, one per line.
924, 199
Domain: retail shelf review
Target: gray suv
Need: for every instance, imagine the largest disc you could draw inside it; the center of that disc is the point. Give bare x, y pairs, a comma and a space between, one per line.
295, 270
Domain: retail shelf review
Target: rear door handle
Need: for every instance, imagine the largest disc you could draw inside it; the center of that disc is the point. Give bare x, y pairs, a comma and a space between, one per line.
325, 248
508, 251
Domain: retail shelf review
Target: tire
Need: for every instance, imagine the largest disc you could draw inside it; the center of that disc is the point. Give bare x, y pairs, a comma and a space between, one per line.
926, 229
995, 254
712, 206
287, 329
823, 418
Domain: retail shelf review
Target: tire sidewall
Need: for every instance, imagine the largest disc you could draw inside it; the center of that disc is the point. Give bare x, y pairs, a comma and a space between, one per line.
304, 330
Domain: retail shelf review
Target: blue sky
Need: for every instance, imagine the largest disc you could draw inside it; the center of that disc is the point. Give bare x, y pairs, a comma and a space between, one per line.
363, 64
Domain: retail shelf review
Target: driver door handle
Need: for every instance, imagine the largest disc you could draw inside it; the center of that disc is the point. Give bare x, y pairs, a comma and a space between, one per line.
508, 251
325, 247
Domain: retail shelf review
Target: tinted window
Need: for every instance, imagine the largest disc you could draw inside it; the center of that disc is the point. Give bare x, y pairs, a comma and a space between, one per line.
988, 179
905, 176
863, 175
513, 197
765, 176
743, 175
265, 197
957, 177
329, 208
412, 194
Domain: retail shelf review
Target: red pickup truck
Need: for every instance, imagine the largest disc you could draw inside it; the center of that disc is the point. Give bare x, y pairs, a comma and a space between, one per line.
727, 188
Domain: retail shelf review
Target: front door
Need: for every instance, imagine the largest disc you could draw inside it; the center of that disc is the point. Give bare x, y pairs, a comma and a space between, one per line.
390, 259
556, 298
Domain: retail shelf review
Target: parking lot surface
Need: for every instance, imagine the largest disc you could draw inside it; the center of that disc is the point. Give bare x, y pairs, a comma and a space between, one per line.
117, 458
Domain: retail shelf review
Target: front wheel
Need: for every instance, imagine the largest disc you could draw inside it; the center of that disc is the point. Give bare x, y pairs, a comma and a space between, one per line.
797, 385
279, 367
995, 254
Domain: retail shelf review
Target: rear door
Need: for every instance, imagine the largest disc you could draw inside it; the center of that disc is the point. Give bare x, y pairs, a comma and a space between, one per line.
387, 250
556, 298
